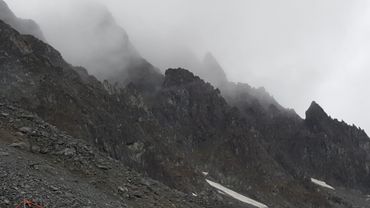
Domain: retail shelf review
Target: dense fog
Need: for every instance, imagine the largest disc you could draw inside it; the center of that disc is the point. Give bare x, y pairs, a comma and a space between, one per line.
298, 50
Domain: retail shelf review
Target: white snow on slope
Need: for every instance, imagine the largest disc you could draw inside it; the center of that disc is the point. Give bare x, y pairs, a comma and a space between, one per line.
236, 195
321, 183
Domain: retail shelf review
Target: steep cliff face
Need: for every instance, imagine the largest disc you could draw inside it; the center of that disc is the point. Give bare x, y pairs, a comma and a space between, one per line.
216, 139
173, 135
24, 26
336, 151
316, 146
35, 76
180, 130
315, 115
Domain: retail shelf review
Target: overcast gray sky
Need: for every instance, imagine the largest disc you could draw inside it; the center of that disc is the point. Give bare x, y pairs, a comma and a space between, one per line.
299, 50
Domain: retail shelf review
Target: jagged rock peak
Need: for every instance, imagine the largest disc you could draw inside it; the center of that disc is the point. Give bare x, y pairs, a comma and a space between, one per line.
212, 70
315, 112
24, 26
179, 76
208, 57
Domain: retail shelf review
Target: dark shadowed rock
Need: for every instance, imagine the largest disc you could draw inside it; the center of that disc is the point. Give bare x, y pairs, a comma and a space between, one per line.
73, 180
183, 128
315, 114
170, 128
179, 77
325, 145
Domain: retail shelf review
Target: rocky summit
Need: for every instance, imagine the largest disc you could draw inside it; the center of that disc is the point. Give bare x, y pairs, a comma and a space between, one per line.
164, 140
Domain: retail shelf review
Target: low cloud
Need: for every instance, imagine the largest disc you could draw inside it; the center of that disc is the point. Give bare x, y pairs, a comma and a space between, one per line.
298, 50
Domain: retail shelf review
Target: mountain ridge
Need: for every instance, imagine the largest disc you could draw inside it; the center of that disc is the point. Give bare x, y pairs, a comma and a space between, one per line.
185, 127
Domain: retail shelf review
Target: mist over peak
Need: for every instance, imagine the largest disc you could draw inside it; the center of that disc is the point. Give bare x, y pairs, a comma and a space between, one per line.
91, 38
208, 57
212, 70
282, 46
137, 138
24, 26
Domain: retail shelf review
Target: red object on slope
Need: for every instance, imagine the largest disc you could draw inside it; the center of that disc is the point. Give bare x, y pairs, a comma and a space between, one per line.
28, 204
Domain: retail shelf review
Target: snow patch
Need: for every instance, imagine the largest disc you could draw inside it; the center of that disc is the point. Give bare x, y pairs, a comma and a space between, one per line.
321, 183
236, 195
194, 194
205, 173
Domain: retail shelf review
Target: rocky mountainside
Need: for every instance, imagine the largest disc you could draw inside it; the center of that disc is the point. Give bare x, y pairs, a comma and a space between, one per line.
317, 146
42, 163
24, 26
178, 130
303, 147
143, 131
34, 76
342, 147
